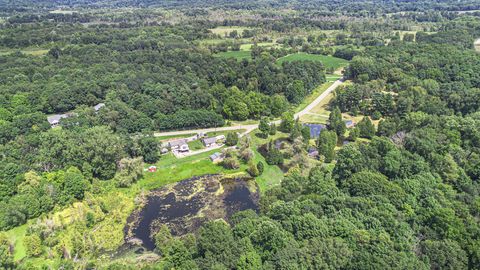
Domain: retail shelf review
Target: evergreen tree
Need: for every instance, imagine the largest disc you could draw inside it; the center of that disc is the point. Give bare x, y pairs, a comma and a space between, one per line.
287, 122
231, 139
264, 127
366, 128
336, 123
326, 144
273, 129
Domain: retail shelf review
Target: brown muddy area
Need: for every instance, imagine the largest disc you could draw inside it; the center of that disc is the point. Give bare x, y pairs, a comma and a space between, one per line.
186, 205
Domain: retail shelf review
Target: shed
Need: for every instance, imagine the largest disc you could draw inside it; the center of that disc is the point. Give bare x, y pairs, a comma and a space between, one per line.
216, 157
349, 123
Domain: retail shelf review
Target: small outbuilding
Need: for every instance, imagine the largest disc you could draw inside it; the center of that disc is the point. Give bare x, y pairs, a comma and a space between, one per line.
349, 123
217, 157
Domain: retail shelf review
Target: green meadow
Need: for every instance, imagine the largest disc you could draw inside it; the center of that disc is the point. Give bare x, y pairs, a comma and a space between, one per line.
327, 60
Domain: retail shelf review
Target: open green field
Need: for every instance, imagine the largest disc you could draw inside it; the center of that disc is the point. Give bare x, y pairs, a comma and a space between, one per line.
34, 52
239, 55
328, 61
16, 236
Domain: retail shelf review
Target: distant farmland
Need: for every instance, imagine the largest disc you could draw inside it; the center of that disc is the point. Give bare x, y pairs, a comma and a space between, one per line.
328, 61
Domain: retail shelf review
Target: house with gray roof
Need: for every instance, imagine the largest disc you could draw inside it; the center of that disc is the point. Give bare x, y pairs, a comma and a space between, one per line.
179, 145
210, 141
54, 120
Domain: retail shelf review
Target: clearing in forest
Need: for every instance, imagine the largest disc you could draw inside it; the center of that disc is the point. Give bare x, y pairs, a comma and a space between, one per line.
330, 62
226, 30
239, 55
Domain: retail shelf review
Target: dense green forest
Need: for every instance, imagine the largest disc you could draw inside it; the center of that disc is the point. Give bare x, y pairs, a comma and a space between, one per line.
399, 190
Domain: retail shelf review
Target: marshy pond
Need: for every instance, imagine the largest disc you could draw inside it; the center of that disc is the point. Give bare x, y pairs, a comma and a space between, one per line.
186, 205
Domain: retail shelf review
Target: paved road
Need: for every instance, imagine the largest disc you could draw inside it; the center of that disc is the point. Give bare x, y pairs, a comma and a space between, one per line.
250, 128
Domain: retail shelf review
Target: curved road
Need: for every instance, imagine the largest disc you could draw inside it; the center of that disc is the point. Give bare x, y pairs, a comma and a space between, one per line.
250, 128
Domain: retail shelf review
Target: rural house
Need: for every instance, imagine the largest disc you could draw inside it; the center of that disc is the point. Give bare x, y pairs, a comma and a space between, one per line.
54, 120
208, 142
179, 145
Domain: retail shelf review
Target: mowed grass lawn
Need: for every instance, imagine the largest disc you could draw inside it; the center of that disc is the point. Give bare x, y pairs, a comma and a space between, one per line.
170, 169
315, 93
327, 60
272, 175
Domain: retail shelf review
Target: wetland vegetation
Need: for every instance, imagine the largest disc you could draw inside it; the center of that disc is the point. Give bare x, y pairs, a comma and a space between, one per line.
398, 189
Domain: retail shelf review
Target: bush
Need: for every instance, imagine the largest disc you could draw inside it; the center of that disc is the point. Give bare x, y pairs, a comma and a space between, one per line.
231, 139
252, 169
260, 168
33, 245
376, 115
231, 163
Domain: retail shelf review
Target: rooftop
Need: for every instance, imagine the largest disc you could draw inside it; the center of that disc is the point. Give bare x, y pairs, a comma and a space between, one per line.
210, 140
99, 106
54, 119
177, 142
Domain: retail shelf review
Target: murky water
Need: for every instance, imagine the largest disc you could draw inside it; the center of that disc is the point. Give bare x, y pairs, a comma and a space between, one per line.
186, 205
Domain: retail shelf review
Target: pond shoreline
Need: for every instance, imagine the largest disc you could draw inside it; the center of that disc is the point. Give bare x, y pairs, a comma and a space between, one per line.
186, 205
